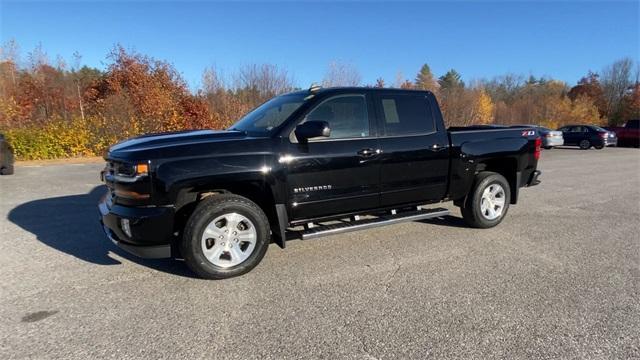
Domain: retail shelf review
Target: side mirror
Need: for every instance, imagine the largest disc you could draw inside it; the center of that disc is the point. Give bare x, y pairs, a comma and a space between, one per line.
312, 129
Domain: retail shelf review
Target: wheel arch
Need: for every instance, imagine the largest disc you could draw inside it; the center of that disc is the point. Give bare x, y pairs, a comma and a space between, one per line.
259, 191
507, 167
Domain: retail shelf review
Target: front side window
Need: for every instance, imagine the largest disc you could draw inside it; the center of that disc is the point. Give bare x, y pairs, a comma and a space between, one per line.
406, 114
346, 115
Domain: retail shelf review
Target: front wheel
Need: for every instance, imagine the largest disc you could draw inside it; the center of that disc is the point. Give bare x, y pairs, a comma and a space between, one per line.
6, 170
488, 202
227, 235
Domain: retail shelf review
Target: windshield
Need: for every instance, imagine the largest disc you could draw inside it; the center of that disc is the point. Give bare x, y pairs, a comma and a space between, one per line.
598, 128
269, 115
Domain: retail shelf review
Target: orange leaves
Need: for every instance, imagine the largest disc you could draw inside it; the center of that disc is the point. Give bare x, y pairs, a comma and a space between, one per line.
154, 91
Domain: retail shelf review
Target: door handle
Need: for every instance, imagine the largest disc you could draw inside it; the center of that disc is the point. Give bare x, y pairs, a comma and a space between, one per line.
437, 147
369, 152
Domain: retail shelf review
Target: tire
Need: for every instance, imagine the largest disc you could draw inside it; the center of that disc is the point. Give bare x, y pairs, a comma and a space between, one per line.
600, 147
473, 211
585, 144
7, 170
240, 217
548, 147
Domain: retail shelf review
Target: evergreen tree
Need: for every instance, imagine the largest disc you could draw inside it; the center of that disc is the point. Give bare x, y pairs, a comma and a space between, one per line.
451, 80
425, 79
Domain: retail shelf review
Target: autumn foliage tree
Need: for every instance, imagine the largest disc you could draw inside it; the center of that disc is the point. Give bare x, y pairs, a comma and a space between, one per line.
146, 94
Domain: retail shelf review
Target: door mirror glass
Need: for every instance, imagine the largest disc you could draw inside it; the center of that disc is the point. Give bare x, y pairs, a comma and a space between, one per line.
312, 129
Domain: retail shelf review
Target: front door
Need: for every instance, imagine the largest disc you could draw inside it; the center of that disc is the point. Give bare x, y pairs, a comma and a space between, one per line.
338, 174
415, 154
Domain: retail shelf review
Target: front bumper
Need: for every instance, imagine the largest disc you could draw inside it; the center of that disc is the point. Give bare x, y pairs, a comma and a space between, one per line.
611, 142
151, 228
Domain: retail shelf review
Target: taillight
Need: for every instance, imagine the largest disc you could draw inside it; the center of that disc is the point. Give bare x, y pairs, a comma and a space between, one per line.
538, 150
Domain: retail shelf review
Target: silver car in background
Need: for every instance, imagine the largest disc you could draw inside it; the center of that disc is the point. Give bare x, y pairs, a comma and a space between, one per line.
550, 138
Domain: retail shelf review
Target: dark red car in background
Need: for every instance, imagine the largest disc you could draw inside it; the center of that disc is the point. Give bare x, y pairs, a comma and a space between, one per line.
629, 134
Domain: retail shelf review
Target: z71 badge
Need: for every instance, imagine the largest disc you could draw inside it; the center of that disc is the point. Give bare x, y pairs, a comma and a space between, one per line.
311, 188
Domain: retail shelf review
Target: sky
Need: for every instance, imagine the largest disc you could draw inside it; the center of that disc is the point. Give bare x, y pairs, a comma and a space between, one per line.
479, 39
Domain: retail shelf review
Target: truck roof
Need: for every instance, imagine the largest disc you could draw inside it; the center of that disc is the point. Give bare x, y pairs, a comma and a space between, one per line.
342, 89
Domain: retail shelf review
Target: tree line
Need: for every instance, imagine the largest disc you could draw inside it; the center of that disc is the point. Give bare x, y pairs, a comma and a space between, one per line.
54, 108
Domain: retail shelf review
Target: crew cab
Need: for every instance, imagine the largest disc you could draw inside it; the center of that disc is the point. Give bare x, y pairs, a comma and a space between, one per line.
629, 134
307, 164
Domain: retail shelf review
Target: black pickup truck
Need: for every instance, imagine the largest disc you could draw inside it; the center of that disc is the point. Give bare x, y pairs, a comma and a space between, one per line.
307, 164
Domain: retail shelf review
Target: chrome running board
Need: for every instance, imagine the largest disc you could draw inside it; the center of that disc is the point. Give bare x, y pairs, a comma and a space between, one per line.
333, 229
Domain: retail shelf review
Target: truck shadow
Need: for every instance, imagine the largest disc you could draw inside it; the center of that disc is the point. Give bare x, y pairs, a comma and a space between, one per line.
70, 224
447, 220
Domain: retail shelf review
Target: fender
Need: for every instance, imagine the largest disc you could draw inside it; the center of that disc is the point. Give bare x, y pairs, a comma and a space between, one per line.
500, 155
257, 176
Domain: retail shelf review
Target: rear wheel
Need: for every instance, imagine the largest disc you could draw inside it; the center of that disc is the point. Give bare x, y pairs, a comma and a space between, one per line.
227, 235
585, 144
488, 202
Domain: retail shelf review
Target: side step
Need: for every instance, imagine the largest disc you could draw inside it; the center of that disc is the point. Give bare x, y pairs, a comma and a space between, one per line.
324, 230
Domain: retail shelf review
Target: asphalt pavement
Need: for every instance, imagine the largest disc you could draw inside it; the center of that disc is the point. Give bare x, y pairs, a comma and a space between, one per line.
559, 278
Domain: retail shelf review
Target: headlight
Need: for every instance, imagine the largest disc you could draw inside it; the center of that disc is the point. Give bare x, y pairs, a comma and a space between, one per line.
125, 172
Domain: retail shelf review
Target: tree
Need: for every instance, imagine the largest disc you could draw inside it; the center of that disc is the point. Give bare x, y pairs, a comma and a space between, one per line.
425, 79
590, 87
631, 104
10, 54
147, 93
379, 83
484, 108
259, 83
225, 105
451, 80
616, 82
406, 85
341, 74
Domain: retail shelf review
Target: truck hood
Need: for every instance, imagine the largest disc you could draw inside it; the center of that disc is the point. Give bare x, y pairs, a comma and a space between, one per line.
146, 144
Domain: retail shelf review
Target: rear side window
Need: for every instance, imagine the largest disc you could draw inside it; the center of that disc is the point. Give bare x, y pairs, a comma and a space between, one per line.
406, 114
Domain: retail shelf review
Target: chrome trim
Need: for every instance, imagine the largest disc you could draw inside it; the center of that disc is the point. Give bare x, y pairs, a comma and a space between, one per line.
123, 179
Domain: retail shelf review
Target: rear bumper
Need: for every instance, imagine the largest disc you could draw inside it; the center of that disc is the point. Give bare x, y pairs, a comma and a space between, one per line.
533, 179
552, 142
151, 228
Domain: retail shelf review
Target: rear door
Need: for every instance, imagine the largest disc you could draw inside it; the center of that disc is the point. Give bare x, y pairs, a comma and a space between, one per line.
338, 174
414, 160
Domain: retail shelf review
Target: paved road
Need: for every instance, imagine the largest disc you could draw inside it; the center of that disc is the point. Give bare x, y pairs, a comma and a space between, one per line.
559, 278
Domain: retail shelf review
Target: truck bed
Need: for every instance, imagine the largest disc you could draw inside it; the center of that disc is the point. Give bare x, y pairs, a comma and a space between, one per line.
474, 145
